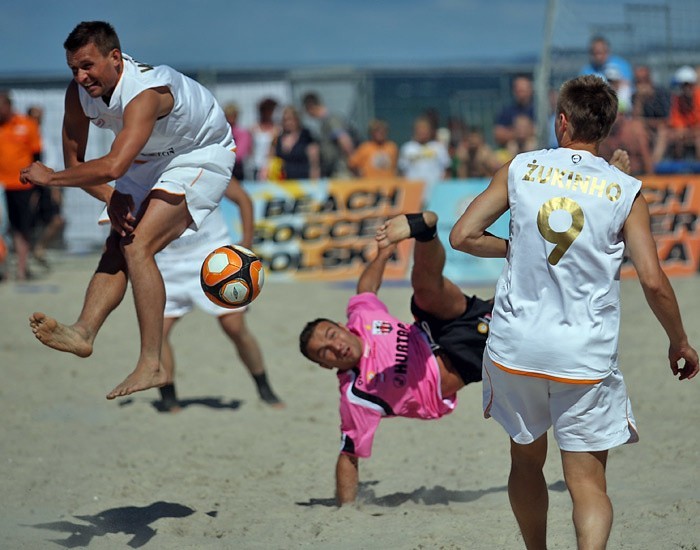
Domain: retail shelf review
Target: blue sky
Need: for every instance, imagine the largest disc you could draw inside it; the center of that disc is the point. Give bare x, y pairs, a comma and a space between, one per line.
231, 34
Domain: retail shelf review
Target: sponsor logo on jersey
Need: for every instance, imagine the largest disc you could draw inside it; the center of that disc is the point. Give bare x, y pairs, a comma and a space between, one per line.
381, 327
166, 153
483, 326
576, 158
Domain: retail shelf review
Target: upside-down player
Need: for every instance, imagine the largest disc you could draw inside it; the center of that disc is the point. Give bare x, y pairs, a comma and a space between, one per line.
387, 367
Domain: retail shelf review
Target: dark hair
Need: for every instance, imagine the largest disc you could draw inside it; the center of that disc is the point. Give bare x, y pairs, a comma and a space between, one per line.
311, 99
306, 334
267, 105
590, 105
599, 38
100, 33
5, 96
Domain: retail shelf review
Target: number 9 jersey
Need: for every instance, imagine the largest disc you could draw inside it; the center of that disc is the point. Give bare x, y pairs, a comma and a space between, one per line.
557, 306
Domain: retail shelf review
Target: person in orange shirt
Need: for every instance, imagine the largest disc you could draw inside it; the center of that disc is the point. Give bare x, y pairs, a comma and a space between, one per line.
684, 118
20, 145
376, 157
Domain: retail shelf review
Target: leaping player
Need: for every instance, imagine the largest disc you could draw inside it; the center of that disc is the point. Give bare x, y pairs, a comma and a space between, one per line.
172, 158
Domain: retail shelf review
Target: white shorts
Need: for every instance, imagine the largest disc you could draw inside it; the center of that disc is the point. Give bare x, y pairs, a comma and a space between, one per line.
585, 417
180, 264
202, 176
183, 291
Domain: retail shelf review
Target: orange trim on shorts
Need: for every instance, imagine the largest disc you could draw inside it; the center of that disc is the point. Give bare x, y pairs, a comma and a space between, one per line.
140, 161
201, 171
546, 376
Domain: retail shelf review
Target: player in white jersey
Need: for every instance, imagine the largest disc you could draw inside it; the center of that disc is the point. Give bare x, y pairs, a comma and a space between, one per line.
180, 264
172, 158
551, 357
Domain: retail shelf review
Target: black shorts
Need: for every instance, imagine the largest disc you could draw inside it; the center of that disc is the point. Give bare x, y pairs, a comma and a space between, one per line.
461, 339
46, 207
19, 211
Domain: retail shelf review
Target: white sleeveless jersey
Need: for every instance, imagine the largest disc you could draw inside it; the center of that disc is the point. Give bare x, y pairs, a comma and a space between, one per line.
195, 121
556, 312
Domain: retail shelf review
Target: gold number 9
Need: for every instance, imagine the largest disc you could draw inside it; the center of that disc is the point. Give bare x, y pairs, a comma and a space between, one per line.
562, 239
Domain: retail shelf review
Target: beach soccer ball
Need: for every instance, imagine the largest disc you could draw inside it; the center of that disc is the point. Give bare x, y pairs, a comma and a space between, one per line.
232, 276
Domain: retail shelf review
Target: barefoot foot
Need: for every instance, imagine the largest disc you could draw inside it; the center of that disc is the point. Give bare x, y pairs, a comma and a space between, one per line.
401, 227
145, 376
55, 335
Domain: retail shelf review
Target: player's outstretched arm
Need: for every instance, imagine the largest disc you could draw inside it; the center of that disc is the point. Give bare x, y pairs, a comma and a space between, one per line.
371, 277
469, 233
347, 478
140, 116
657, 289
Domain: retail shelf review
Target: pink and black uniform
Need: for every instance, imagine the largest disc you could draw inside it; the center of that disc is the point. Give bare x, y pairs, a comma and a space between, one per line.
398, 375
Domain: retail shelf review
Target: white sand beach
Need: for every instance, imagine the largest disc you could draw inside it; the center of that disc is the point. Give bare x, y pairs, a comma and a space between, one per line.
227, 472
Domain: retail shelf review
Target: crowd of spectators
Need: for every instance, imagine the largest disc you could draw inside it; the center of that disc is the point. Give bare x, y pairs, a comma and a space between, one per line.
658, 124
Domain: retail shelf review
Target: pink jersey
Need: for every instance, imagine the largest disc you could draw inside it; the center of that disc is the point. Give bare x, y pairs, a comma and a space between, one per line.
397, 375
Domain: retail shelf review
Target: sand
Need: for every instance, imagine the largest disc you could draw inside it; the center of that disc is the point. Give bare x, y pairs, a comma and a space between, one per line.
79, 471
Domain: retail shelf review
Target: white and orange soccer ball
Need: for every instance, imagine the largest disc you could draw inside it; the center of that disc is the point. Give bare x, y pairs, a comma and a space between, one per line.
232, 276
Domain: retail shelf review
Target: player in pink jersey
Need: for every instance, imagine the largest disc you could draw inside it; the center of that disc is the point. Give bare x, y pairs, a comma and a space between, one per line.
387, 367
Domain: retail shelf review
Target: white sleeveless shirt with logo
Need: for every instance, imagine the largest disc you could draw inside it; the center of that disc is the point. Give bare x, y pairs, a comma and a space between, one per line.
196, 119
556, 313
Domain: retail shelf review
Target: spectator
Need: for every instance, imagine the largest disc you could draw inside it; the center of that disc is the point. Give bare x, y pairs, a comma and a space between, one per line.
440, 133
20, 145
334, 136
523, 104
242, 138
423, 157
601, 59
295, 148
263, 133
684, 117
46, 208
474, 158
651, 104
524, 138
378, 156
628, 133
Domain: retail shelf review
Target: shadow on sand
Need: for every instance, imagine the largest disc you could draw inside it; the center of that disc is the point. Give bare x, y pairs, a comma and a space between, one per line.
130, 520
211, 402
422, 495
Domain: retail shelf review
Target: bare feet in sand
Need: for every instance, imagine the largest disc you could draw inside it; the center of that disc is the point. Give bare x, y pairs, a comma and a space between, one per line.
397, 229
146, 375
55, 335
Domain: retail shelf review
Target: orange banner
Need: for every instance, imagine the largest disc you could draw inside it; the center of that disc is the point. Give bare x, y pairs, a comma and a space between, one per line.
674, 205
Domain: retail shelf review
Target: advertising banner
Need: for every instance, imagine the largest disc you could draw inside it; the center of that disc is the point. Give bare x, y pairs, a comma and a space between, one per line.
324, 230
449, 200
674, 204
